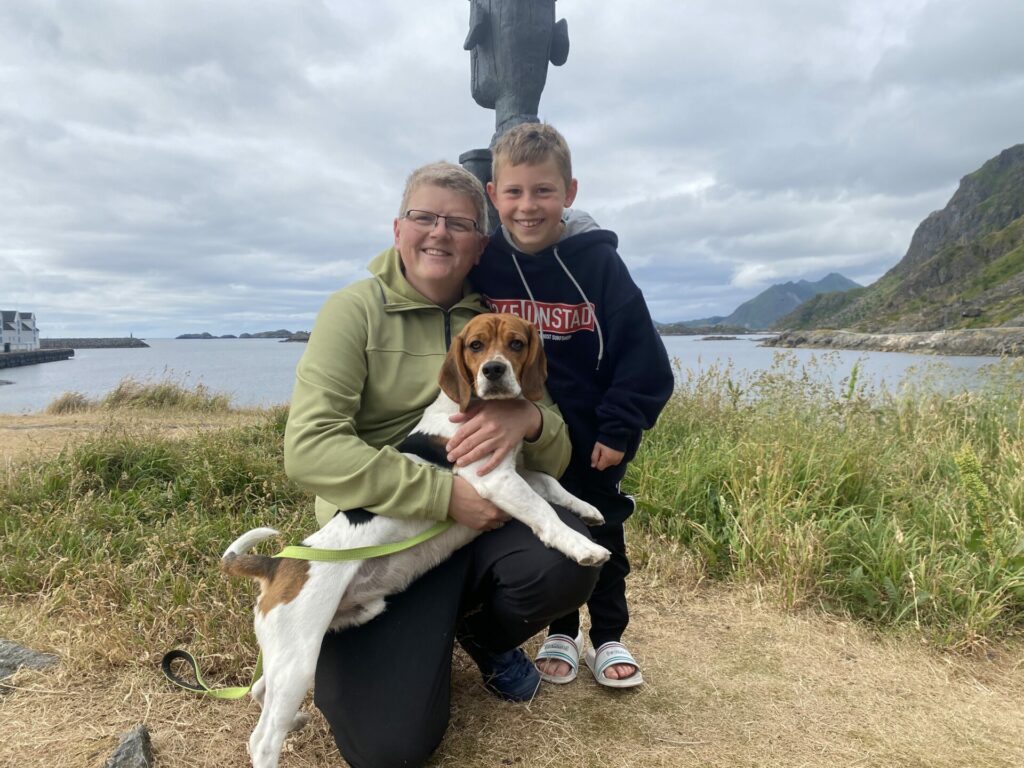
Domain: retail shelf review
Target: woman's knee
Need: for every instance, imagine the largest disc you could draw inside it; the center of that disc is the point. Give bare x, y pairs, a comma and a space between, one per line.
550, 591
378, 742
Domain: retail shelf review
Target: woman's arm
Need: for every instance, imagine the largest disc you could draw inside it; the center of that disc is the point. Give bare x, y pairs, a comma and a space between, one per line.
323, 450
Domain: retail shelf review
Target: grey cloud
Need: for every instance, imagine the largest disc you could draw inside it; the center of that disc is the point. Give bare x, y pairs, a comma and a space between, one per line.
187, 163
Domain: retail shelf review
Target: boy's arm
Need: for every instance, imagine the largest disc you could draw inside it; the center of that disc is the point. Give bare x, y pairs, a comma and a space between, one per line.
642, 380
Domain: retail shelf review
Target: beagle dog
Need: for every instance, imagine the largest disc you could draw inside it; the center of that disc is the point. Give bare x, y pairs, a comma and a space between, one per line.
496, 356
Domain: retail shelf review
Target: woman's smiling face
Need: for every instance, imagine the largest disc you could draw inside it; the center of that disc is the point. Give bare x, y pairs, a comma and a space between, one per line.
436, 259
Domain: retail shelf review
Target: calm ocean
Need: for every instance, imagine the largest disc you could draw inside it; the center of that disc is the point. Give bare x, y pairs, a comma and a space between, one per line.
258, 372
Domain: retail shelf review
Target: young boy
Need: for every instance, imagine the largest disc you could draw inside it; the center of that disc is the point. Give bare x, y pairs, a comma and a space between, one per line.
608, 371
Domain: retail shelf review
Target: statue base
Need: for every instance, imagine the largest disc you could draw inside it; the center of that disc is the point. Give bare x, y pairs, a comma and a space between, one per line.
478, 162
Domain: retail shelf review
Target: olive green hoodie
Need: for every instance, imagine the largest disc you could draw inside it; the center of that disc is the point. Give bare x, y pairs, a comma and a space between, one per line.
368, 372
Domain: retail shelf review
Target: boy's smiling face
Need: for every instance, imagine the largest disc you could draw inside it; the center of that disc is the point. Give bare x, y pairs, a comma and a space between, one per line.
530, 200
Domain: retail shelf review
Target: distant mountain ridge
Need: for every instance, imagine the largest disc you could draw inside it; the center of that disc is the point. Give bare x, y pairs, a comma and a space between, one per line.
762, 311
964, 267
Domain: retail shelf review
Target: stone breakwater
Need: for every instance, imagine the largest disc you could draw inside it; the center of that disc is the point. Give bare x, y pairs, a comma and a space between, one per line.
979, 341
115, 343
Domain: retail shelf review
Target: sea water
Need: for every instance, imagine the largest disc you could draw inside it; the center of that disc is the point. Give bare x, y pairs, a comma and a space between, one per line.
260, 372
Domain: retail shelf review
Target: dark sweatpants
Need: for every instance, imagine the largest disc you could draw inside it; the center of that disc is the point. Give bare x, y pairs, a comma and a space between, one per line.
607, 606
384, 687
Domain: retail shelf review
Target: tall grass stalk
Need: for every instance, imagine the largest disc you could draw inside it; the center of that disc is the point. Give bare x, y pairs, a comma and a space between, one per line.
896, 508
130, 393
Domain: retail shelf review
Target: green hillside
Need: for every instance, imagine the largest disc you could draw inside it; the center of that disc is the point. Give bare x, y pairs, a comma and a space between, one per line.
964, 267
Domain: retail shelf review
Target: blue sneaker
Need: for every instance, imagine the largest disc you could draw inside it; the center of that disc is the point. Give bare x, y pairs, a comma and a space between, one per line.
510, 675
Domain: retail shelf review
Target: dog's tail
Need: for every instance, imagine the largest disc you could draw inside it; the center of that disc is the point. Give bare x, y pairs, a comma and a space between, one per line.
236, 563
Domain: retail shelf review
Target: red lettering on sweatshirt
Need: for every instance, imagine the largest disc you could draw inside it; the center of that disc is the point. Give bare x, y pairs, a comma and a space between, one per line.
547, 316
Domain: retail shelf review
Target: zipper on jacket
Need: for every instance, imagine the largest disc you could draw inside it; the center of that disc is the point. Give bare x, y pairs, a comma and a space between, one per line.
447, 329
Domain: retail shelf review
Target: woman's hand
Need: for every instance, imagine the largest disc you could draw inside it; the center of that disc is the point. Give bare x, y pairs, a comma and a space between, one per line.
493, 428
469, 508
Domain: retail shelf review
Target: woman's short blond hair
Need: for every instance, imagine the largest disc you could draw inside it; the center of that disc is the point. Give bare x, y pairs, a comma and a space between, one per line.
448, 176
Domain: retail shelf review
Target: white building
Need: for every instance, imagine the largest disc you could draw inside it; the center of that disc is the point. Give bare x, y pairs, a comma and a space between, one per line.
18, 332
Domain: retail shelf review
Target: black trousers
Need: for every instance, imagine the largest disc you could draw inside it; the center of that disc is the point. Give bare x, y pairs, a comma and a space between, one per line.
609, 611
385, 687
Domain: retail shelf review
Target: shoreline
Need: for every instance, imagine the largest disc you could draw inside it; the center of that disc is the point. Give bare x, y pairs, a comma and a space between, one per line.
988, 342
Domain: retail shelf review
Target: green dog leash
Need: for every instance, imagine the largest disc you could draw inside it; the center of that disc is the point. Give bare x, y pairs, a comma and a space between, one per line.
292, 553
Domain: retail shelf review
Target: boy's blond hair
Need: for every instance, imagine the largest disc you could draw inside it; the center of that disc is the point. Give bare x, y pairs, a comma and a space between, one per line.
532, 144
452, 177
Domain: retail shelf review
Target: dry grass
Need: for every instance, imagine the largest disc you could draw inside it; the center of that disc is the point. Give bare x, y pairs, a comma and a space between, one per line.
732, 682
38, 435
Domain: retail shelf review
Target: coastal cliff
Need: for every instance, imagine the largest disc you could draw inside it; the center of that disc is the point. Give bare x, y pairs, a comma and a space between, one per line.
964, 268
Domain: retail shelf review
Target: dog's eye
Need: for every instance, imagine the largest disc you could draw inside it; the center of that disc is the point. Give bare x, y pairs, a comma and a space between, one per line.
476, 345
516, 345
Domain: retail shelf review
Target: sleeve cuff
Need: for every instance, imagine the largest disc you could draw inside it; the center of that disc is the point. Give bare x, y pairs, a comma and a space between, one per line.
615, 442
441, 496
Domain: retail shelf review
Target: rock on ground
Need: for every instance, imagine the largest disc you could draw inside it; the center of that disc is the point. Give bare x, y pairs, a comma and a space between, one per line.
13, 656
134, 751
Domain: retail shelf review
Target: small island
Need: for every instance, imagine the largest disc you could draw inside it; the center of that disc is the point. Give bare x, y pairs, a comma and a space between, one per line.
282, 333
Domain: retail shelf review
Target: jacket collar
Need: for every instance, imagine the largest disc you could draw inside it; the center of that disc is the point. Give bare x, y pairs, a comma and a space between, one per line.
397, 293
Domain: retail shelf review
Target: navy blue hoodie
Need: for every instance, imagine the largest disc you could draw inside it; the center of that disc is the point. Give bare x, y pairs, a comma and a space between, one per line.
608, 371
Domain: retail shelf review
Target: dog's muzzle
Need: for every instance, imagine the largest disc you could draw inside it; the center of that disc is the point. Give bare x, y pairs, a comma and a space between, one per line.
497, 380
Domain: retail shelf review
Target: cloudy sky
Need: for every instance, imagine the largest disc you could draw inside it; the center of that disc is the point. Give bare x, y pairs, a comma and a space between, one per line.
172, 166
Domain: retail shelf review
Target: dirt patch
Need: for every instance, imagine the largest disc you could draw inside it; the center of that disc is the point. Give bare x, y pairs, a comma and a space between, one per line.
731, 682
25, 437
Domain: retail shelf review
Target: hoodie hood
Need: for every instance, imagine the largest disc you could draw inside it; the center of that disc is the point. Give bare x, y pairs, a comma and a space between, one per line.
577, 222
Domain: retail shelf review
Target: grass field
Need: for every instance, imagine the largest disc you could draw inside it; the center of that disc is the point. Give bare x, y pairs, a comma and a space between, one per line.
783, 531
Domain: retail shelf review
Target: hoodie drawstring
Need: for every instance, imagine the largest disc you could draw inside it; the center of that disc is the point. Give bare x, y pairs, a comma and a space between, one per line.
600, 334
536, 307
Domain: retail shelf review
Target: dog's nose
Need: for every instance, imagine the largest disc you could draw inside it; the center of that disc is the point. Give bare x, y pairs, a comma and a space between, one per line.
493, 370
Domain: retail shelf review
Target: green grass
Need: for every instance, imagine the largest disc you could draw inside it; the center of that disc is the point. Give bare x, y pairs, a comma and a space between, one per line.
903, 511
130, 526
898, 510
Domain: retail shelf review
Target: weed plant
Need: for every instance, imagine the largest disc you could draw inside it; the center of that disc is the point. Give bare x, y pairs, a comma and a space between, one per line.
899, 509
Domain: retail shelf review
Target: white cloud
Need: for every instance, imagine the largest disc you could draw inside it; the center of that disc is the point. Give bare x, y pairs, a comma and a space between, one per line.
177, 165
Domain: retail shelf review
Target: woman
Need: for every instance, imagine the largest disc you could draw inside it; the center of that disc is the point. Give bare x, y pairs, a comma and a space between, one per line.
369, 371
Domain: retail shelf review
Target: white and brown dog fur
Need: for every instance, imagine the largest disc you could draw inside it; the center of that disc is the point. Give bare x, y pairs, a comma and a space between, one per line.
495, 357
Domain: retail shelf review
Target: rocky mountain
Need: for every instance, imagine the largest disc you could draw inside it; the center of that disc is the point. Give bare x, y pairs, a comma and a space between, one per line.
964, 267
768, 306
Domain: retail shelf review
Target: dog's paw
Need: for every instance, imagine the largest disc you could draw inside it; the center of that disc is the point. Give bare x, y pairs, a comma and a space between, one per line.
590, 514
588, 553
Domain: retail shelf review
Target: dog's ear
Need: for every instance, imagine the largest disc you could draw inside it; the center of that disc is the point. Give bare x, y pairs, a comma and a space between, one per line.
535, 370
455, 379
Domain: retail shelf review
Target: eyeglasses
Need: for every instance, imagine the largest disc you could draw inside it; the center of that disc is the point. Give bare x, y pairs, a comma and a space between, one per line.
457, 225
